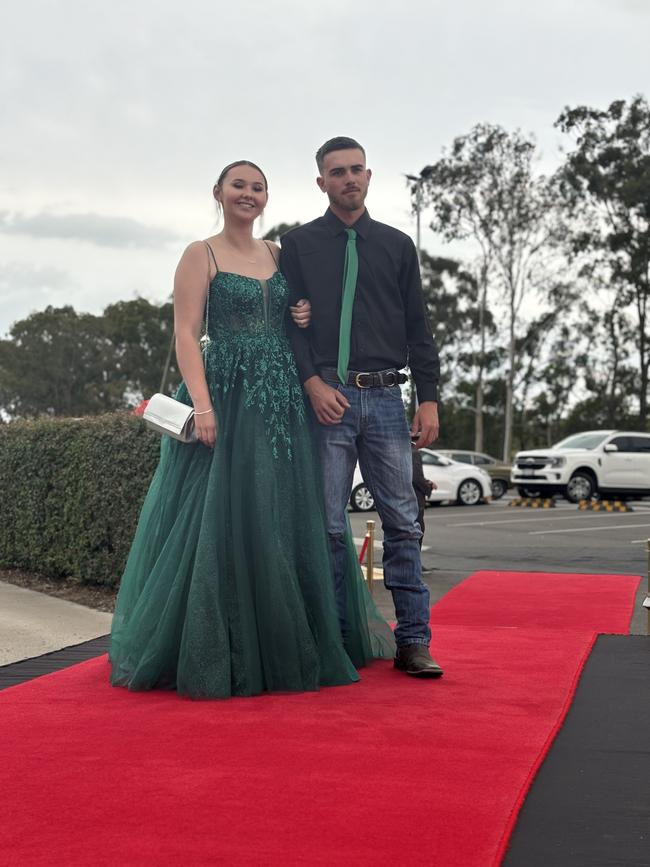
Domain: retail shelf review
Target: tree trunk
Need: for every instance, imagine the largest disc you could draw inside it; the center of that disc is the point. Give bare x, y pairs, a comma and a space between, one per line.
643, 394
643, 358
478, 419
507, 425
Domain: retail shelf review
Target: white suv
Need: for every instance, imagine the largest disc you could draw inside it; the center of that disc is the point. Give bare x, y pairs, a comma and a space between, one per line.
584, 464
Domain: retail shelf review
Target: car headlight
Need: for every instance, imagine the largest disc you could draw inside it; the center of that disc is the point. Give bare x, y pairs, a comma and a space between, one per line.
556, 462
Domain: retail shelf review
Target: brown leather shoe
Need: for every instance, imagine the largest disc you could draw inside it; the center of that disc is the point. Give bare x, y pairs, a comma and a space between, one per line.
416, 660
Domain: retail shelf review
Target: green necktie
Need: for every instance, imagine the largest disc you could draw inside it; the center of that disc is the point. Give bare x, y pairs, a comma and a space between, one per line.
350, 271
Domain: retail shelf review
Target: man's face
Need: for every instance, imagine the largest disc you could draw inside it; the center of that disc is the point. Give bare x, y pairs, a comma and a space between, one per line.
345, 178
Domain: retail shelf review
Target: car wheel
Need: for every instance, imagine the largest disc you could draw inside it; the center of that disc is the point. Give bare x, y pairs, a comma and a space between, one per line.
469, 493
581, 486
361, 499
529, 492
499, 487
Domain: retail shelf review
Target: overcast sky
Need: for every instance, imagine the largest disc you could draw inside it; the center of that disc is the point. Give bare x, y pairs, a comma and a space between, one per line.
116, 118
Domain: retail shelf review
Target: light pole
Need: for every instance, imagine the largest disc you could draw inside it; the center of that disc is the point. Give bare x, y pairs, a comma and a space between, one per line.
416, 188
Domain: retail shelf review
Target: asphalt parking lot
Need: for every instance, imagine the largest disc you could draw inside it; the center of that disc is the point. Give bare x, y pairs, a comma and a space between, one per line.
459, 540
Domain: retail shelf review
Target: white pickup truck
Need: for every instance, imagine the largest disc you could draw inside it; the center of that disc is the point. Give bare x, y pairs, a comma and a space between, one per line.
606, 462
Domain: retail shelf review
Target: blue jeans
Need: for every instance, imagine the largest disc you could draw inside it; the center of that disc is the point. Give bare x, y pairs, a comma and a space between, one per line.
374, 430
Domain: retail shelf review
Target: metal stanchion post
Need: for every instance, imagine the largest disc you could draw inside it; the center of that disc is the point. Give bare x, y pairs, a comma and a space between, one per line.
370, 563
646, 603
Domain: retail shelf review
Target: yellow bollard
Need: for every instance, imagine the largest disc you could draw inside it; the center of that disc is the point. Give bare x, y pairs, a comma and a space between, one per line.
370, 562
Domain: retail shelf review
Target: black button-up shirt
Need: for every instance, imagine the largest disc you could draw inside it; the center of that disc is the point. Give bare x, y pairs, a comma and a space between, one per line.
389, 321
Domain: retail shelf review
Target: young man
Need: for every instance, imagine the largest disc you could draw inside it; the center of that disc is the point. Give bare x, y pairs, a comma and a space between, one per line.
368, 321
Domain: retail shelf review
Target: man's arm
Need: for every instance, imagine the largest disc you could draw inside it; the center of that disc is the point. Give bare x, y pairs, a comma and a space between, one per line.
424, 360
328, 403
290, 268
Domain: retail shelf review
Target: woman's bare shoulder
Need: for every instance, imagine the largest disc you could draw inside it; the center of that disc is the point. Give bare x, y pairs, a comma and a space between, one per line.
194, 250
194, 264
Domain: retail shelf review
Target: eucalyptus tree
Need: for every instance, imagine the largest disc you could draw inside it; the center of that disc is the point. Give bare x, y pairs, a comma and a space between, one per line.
55, 362
486, 191
452, 299
62, 363
606, 182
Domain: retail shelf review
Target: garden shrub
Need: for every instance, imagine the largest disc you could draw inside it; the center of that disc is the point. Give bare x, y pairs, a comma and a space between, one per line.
70, 493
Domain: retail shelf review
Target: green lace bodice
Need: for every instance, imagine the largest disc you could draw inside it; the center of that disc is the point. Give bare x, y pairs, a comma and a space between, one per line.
245, 305
247, 347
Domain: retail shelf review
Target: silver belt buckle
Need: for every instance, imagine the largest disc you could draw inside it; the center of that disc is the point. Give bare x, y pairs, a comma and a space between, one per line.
358, 383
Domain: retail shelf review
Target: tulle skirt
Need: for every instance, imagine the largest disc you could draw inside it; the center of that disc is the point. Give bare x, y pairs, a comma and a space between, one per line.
228, 588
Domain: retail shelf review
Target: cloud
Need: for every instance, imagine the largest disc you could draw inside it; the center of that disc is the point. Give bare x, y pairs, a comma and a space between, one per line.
25, 288
635, 6
121, 232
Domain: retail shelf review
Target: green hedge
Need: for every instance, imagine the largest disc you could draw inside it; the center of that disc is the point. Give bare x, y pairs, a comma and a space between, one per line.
70, 494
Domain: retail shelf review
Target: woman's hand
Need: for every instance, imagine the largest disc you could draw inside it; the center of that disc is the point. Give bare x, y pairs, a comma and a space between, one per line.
205, 427
301, 313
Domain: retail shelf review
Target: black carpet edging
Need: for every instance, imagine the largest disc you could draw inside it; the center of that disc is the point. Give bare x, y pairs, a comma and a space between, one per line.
27, 669
589, 805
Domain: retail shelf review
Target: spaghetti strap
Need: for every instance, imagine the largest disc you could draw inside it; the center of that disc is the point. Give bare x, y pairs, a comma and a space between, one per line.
271, 251
211, 255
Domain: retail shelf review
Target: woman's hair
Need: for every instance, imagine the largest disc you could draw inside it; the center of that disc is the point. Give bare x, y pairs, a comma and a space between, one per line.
234, 165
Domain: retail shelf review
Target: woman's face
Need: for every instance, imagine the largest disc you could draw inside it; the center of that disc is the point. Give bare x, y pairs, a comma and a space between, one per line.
242, 193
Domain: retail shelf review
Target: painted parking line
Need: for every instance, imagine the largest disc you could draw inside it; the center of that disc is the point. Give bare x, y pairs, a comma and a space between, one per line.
587, 529
539, 517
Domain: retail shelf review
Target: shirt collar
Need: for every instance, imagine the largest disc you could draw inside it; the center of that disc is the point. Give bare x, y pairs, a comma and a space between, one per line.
337, 227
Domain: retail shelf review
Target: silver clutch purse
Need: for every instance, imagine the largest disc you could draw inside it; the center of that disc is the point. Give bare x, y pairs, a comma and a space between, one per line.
168, 416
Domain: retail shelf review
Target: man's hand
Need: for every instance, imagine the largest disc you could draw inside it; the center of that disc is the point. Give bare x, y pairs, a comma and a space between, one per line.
301, 313
425, 426
328, 403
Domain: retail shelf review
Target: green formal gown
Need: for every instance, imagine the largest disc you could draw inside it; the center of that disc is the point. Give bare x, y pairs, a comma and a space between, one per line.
228, 588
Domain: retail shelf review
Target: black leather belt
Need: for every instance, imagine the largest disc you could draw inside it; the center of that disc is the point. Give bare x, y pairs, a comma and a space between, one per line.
367, 379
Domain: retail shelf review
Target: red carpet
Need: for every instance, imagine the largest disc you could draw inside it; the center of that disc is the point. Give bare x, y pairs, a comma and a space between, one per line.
388, 771
534, 600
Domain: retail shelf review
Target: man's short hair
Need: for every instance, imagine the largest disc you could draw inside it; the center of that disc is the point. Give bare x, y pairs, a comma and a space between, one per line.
340, 143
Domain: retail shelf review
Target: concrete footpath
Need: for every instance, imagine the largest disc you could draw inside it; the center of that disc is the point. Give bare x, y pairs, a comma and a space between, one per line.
33, 623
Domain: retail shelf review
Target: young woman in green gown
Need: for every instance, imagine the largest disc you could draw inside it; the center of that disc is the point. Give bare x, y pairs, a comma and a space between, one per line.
228, 587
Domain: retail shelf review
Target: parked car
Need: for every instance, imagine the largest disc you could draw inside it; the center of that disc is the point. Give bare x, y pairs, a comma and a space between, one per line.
456, 482
497, 470
606, 462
